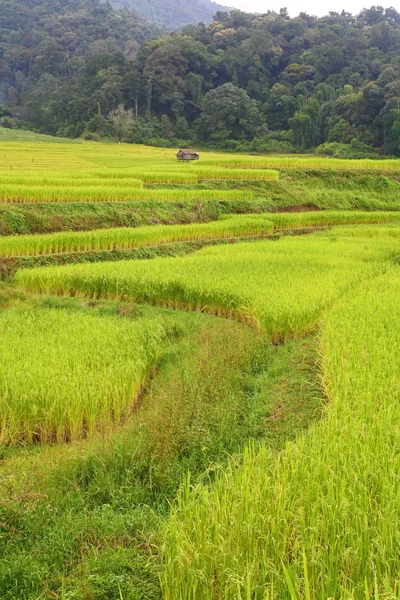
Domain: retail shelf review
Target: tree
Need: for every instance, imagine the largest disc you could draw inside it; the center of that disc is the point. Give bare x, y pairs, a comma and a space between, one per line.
228, 112
301, 126
123, 121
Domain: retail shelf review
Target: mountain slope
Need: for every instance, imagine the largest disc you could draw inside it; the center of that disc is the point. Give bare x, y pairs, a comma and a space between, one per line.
172, 13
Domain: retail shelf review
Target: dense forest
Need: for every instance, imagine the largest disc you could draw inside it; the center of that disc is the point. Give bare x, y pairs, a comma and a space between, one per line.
253, 82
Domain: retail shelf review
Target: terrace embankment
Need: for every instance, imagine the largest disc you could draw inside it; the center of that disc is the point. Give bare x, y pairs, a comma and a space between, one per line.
27, 251
307, 189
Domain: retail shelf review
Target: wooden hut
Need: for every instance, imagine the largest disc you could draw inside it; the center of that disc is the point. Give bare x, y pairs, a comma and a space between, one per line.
187, 155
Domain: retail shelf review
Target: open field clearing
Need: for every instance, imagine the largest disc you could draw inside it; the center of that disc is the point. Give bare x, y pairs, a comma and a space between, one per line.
281, 287
62, 376
321, 521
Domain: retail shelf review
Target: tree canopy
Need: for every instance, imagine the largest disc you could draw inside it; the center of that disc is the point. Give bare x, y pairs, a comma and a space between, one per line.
266, 82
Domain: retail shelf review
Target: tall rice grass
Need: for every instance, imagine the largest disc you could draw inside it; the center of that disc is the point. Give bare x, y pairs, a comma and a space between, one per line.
64, 374
24, 194
130, 237
280, 287
321, 520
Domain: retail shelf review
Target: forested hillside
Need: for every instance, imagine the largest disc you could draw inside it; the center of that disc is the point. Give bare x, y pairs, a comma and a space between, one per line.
59, 58
254, 82
172, 13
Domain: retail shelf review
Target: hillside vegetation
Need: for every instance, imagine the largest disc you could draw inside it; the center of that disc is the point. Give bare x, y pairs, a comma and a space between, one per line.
262, 83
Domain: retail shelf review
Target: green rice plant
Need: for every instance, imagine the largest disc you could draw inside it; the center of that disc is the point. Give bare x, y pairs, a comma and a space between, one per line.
301, 162
281, 287
32, 156
65, 374
236, 174
13, 193
130, 237
326, 218
389, 231
229, 226
171, 177
330, 218
321, 520
73, 181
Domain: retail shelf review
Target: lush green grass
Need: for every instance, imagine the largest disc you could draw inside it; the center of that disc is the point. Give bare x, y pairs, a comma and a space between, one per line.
64, 376
321, 520
281, 287
21, 135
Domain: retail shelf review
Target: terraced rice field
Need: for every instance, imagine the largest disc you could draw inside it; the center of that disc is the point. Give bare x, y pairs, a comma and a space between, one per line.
63, 376
218, 424
70, 173
322, 519
281, 287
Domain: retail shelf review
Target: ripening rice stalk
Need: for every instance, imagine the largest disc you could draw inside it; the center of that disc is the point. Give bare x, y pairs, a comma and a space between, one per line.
281, 287
321, 520
64, 375
130, 237
331, 217
39, 156
72, 182
230, 226
13, 193
174, 178
236, 174
301, 162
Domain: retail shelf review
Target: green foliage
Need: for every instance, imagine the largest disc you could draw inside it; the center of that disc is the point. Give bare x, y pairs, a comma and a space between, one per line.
337, 150
228, 112
333, 79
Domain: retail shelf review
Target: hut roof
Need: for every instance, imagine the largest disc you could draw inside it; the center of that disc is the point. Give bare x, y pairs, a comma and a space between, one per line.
188, 151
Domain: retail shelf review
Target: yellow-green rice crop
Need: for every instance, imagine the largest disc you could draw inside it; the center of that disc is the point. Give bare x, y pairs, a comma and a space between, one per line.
239, 174
89, 155
66, 374
130, 237
388, 231
326, 218
73, 181
14, 193
321, 520
331, 217
280, 286
230, 226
